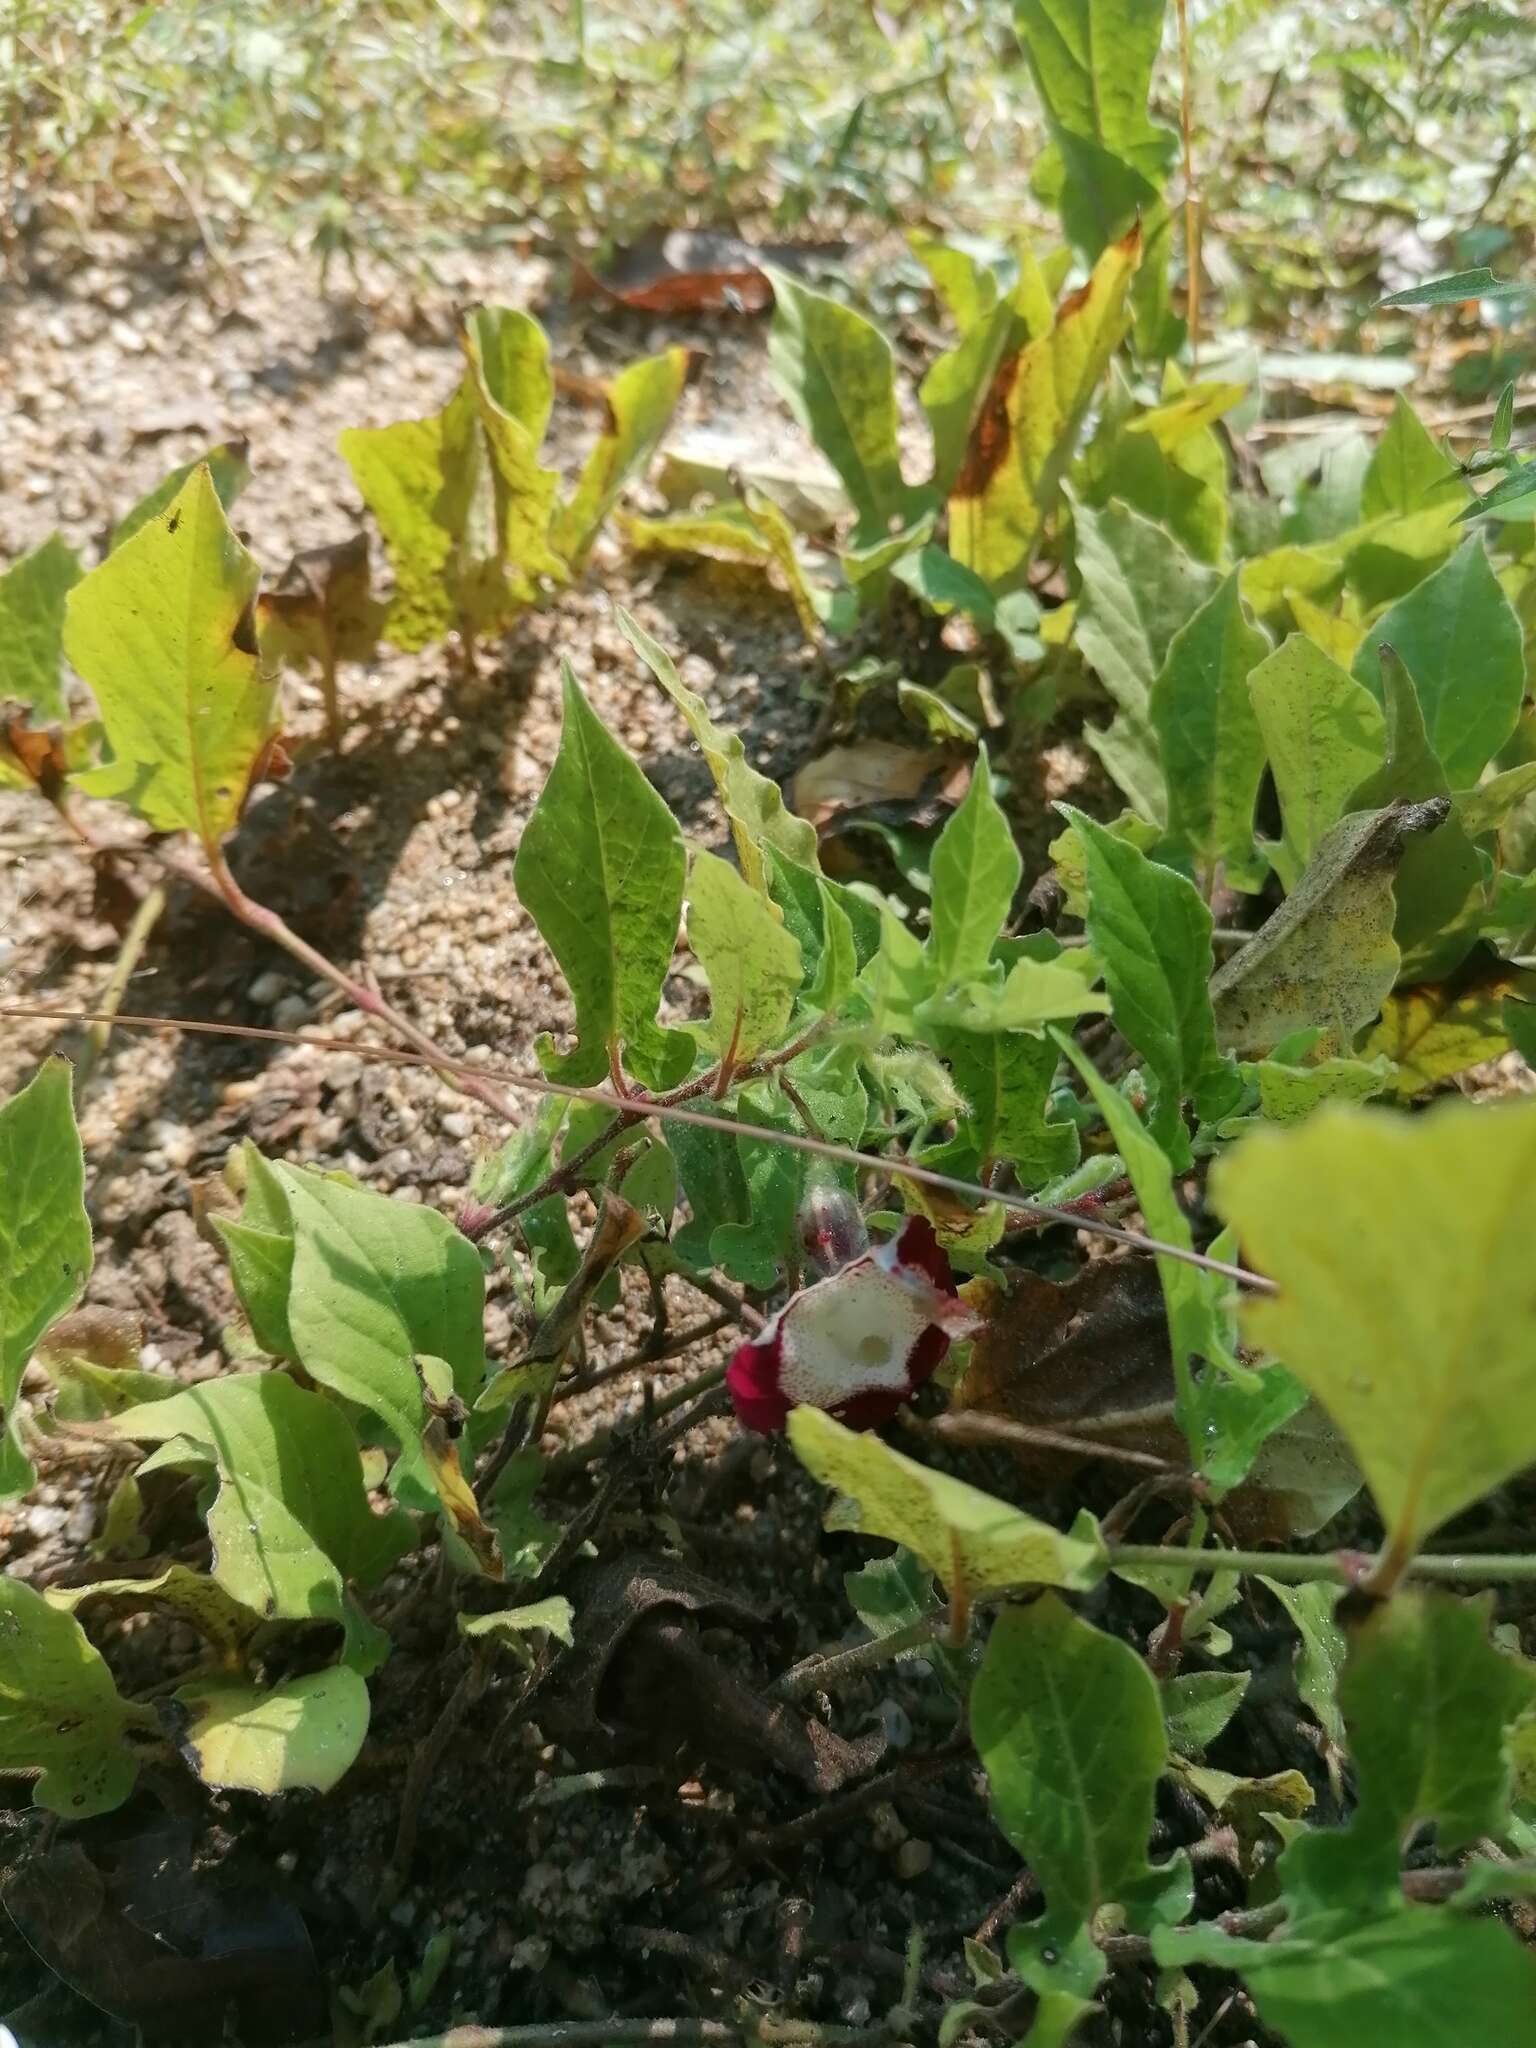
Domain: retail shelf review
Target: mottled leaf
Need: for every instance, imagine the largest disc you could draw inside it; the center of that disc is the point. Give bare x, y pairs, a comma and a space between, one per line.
1327, 956
752, 961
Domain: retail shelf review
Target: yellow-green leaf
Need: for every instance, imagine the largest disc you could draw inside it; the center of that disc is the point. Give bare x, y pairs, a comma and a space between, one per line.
975, 1543
61, 1715
304, 1733
1435, 1030
754, 805
164, 634
641, 402
753, 963
1401, 1248
1027, 427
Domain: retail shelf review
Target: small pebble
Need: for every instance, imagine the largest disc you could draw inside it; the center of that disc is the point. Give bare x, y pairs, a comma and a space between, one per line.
291, 1013
913, 1858
269, 988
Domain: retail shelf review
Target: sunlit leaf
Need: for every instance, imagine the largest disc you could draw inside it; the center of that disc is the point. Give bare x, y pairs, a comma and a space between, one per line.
371, 1283
1289, 1093
959, 378
1166, 463
752, 961
1401, 1251
1408, 469
641, 401
753, 804
509, 1625
219, 1618
227, 465
1027, 426
45, 1239
726, 529
1435, 1030
973, 1542
461, 499
600, 871
32, 595
1092, 61
268, 1439
304, 1733
61, 1715
163, 634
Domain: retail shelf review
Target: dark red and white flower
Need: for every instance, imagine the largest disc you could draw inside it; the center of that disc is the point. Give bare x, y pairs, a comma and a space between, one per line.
858, 1343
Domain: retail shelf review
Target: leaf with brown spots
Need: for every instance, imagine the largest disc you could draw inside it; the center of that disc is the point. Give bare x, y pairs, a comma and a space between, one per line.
1026, 431
1327, 956
1440, 1028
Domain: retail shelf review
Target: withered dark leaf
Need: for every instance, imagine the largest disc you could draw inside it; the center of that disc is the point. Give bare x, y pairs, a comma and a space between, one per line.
322, 606
1067, 1355
138, 1921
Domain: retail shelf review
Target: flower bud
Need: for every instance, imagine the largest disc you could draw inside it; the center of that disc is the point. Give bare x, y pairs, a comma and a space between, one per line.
832, 1227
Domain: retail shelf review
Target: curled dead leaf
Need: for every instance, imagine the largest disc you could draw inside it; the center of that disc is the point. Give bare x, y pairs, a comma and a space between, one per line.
868, 772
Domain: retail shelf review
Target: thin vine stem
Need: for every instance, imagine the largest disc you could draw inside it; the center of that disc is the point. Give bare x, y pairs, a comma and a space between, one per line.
826, 1672
485, 1077
1469, 1568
